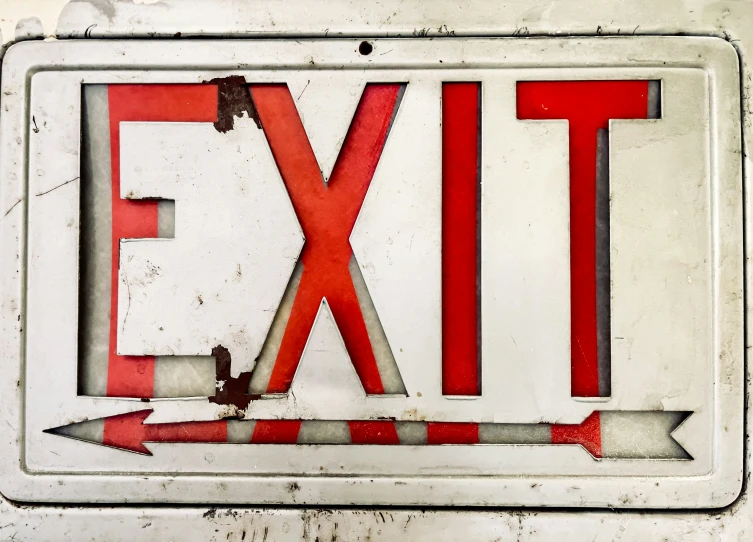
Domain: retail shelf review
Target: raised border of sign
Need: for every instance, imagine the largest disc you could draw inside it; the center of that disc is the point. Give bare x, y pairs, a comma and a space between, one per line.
732, 21
719, 488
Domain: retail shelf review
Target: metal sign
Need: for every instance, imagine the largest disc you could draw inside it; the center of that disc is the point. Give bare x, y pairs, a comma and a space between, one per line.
401, 272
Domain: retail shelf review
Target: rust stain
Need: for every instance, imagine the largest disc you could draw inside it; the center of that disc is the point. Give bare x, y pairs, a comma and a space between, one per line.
233, 390
233, 99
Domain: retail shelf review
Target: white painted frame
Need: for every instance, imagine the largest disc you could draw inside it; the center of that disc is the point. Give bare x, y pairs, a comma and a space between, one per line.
319, 18
717, 488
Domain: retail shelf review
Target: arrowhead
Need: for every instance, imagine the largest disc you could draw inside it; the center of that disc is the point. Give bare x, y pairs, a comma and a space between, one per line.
123, 431
587, 434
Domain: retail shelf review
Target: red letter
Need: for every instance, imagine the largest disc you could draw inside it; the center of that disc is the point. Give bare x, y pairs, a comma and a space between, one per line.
327, 213
460, 227
588, 106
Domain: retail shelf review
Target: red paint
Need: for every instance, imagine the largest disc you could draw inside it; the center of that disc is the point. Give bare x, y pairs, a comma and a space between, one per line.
128, 431
588, 106
460, 185
373, 432
451, 433
587, 434
327, 214
133, 376
276, 432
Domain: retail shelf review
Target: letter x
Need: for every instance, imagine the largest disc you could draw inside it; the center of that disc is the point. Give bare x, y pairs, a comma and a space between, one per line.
327, 214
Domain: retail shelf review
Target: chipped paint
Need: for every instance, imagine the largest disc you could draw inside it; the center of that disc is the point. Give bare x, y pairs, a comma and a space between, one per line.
230, 391
234, 99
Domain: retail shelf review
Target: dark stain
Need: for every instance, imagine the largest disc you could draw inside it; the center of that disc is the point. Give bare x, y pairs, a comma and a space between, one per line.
293, 487
234, 390
214, 513
210, 514
233, 98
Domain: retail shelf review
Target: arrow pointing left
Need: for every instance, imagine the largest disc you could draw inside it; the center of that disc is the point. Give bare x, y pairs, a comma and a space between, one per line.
129, 432
616, 434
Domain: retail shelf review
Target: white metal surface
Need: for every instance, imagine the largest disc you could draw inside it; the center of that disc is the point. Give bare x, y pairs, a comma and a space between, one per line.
712, 478
722, 19
248, 244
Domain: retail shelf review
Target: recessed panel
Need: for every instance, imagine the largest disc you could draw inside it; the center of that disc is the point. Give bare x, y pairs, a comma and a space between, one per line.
479, 276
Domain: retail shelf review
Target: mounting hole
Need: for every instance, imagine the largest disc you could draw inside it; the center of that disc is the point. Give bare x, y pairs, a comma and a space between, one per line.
365, 48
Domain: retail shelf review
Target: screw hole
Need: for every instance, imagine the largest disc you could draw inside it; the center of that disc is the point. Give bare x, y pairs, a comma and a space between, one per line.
365, 48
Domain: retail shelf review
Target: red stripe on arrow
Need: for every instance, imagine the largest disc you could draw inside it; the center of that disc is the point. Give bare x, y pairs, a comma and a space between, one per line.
276, 432
587, 434
129, 432
373, 432
451, 433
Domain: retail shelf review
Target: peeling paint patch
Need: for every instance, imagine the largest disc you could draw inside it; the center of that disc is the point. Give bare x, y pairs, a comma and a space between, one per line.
229, 390
233, 99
